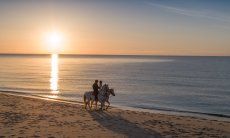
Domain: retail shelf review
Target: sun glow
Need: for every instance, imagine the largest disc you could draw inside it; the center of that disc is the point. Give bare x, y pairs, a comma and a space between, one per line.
54, 41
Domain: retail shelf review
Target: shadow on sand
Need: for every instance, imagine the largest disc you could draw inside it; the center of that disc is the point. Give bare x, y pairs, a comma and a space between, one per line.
120, 125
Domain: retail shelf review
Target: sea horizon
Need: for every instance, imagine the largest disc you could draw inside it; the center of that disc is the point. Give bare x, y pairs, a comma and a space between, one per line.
122, 55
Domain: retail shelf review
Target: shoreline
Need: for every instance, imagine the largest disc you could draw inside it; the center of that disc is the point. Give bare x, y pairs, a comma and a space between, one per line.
218, 117
33, 117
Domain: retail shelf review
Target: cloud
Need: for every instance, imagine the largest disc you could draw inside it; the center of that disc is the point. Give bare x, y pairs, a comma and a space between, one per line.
191, 13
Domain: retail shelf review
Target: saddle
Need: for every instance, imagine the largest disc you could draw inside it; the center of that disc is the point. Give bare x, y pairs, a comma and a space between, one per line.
95, 93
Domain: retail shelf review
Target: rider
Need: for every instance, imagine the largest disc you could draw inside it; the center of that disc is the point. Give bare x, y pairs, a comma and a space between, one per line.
100, 85
95, 90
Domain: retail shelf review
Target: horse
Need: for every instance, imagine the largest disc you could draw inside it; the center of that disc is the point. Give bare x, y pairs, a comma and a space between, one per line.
89, 98
103, 96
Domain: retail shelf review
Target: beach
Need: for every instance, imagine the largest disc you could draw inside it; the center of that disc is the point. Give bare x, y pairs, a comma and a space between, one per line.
32, 117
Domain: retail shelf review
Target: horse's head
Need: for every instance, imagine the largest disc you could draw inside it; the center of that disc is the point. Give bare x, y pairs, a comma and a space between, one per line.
112, 92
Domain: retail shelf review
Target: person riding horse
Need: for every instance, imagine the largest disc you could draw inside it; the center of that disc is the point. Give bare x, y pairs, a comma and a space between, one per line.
95, 90
103, 96
100, 84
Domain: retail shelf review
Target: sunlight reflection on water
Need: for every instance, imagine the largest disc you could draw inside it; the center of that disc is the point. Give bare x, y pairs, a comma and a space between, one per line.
54, 75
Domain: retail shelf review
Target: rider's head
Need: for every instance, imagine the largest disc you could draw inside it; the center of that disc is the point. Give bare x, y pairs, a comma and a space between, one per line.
100, 82
96, 81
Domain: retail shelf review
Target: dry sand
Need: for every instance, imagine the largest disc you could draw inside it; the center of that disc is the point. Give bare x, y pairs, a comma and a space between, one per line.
30, 117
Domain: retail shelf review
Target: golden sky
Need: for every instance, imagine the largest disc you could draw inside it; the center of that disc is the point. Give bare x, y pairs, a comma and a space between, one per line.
118, 27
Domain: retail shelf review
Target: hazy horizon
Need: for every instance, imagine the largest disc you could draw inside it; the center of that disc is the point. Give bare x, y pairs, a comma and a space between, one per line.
122, 27
48, 54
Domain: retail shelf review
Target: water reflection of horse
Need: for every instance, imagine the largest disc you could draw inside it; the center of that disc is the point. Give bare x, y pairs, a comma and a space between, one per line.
103, 96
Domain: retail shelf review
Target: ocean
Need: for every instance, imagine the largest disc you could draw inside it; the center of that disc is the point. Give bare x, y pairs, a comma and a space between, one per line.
169, 83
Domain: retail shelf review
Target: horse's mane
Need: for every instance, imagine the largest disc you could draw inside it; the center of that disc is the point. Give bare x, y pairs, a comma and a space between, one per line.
103, 89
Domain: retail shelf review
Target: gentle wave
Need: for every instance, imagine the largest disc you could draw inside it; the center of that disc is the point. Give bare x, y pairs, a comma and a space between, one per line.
193, 84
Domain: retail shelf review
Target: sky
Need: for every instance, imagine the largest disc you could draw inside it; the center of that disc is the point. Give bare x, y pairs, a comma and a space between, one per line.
139, 27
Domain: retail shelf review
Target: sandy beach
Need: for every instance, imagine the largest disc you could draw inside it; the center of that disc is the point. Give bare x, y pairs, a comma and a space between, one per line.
31, 117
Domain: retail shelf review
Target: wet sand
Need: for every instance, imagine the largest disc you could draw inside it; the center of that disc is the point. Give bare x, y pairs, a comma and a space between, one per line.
31, 117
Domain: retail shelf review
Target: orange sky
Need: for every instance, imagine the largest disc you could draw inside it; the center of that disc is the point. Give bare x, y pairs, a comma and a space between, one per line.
113, 28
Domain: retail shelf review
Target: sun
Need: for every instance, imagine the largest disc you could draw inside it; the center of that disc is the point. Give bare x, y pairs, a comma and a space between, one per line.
54, 41
54, 38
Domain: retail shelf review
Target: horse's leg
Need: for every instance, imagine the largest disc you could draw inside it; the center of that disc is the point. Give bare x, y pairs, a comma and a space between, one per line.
88, 104
102, 105
96, 103
85, 103
108, 103
91, 103
90, 107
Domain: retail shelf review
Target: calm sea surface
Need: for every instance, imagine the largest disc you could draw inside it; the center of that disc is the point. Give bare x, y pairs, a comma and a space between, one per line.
186, 84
